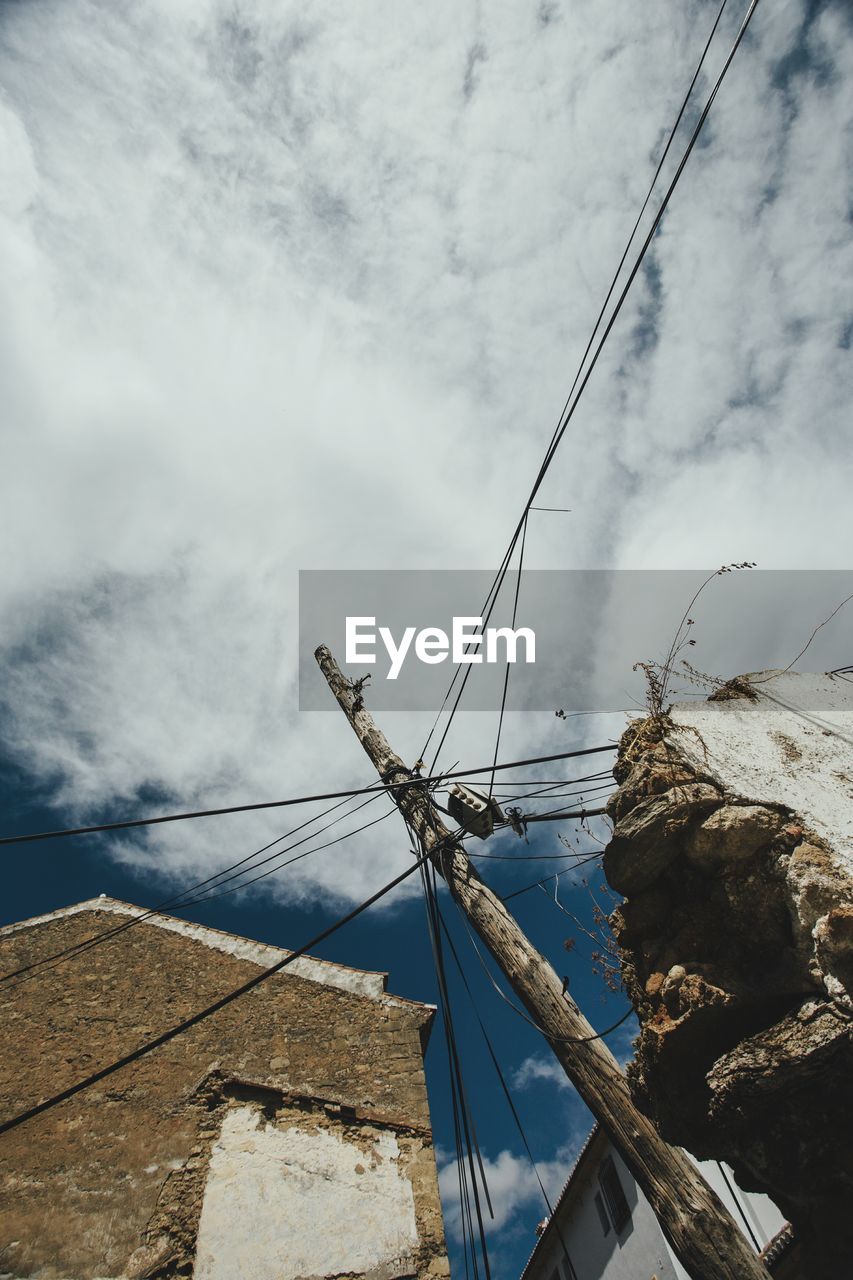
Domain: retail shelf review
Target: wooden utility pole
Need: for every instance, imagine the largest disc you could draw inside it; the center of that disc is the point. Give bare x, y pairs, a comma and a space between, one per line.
698, 1226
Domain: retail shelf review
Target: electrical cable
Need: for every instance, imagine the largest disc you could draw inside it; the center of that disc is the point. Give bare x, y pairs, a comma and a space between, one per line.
553, 815
523, 857
516, 893
106, 935
734, 1195
508, 666
376, 788
177, 901
552, 1039
502, 1080
466, 1128
579, 384
548, 784
180, 901
347, 835
48, 1103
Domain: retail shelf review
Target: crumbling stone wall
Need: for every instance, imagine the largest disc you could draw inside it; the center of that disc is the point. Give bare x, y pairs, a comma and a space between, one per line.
737, 942
113, 1182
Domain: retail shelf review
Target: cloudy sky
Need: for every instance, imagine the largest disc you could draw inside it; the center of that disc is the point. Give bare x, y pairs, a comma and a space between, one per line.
292, 287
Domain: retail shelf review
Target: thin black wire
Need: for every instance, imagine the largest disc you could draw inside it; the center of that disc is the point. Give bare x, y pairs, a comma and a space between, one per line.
272, 870
736, 1199
553, 1039
547, 784
374, 789
504, 1086
178, 901
48, 1103
547, 879
565, 414
463, 1145
522, 857
467, 1130
580, 794
552, 814
210, 897
508, 664
438, 958
576, 390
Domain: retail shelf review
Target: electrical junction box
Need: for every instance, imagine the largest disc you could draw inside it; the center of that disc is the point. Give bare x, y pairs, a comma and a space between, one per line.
473, 810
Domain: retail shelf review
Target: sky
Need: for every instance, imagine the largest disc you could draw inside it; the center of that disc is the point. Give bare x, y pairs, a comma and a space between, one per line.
304, 287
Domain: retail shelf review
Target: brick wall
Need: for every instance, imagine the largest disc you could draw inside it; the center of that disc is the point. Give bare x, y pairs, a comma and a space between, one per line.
112, 1182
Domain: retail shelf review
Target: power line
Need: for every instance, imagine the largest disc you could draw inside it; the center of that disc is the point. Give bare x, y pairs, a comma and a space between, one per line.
578, 385
466, 1135
502, 1080
548, 783
48, 1103
376, 788
553, 815
172, 901
244, 884
599, 1035
180, 902
508, 665
516, 893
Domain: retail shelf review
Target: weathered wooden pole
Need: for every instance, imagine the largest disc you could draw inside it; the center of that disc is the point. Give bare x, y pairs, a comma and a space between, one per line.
698, 1226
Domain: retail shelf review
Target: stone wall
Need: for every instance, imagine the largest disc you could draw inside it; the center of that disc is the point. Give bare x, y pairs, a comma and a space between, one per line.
302, 1106
737, 939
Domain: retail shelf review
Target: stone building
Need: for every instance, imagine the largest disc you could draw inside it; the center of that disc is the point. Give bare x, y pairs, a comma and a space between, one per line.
603, 1227
285, 1136
733, 848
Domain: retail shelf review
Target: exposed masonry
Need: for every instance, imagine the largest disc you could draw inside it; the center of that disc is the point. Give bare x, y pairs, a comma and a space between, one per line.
792, 742
265, 1164
360, 981
301, 1071
732, 846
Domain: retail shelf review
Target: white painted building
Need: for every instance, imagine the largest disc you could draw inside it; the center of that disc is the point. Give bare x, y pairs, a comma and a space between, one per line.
603, 1228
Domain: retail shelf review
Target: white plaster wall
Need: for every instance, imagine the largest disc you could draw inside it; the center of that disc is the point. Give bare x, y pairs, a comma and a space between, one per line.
637, 1253
764, 1218
794, 745
640, 1251
282, 1203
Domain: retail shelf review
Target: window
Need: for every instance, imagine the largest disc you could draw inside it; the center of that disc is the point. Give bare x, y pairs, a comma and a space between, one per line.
617, 1205
602, 1213
565, 1270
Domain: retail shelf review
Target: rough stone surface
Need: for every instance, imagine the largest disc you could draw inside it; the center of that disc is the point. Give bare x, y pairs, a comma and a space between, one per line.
732, 833
647, 837
737, 946
113, 1182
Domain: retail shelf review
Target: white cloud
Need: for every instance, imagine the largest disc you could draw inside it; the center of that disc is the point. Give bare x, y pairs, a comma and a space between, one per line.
305, 290
537, 1068
513, 1187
